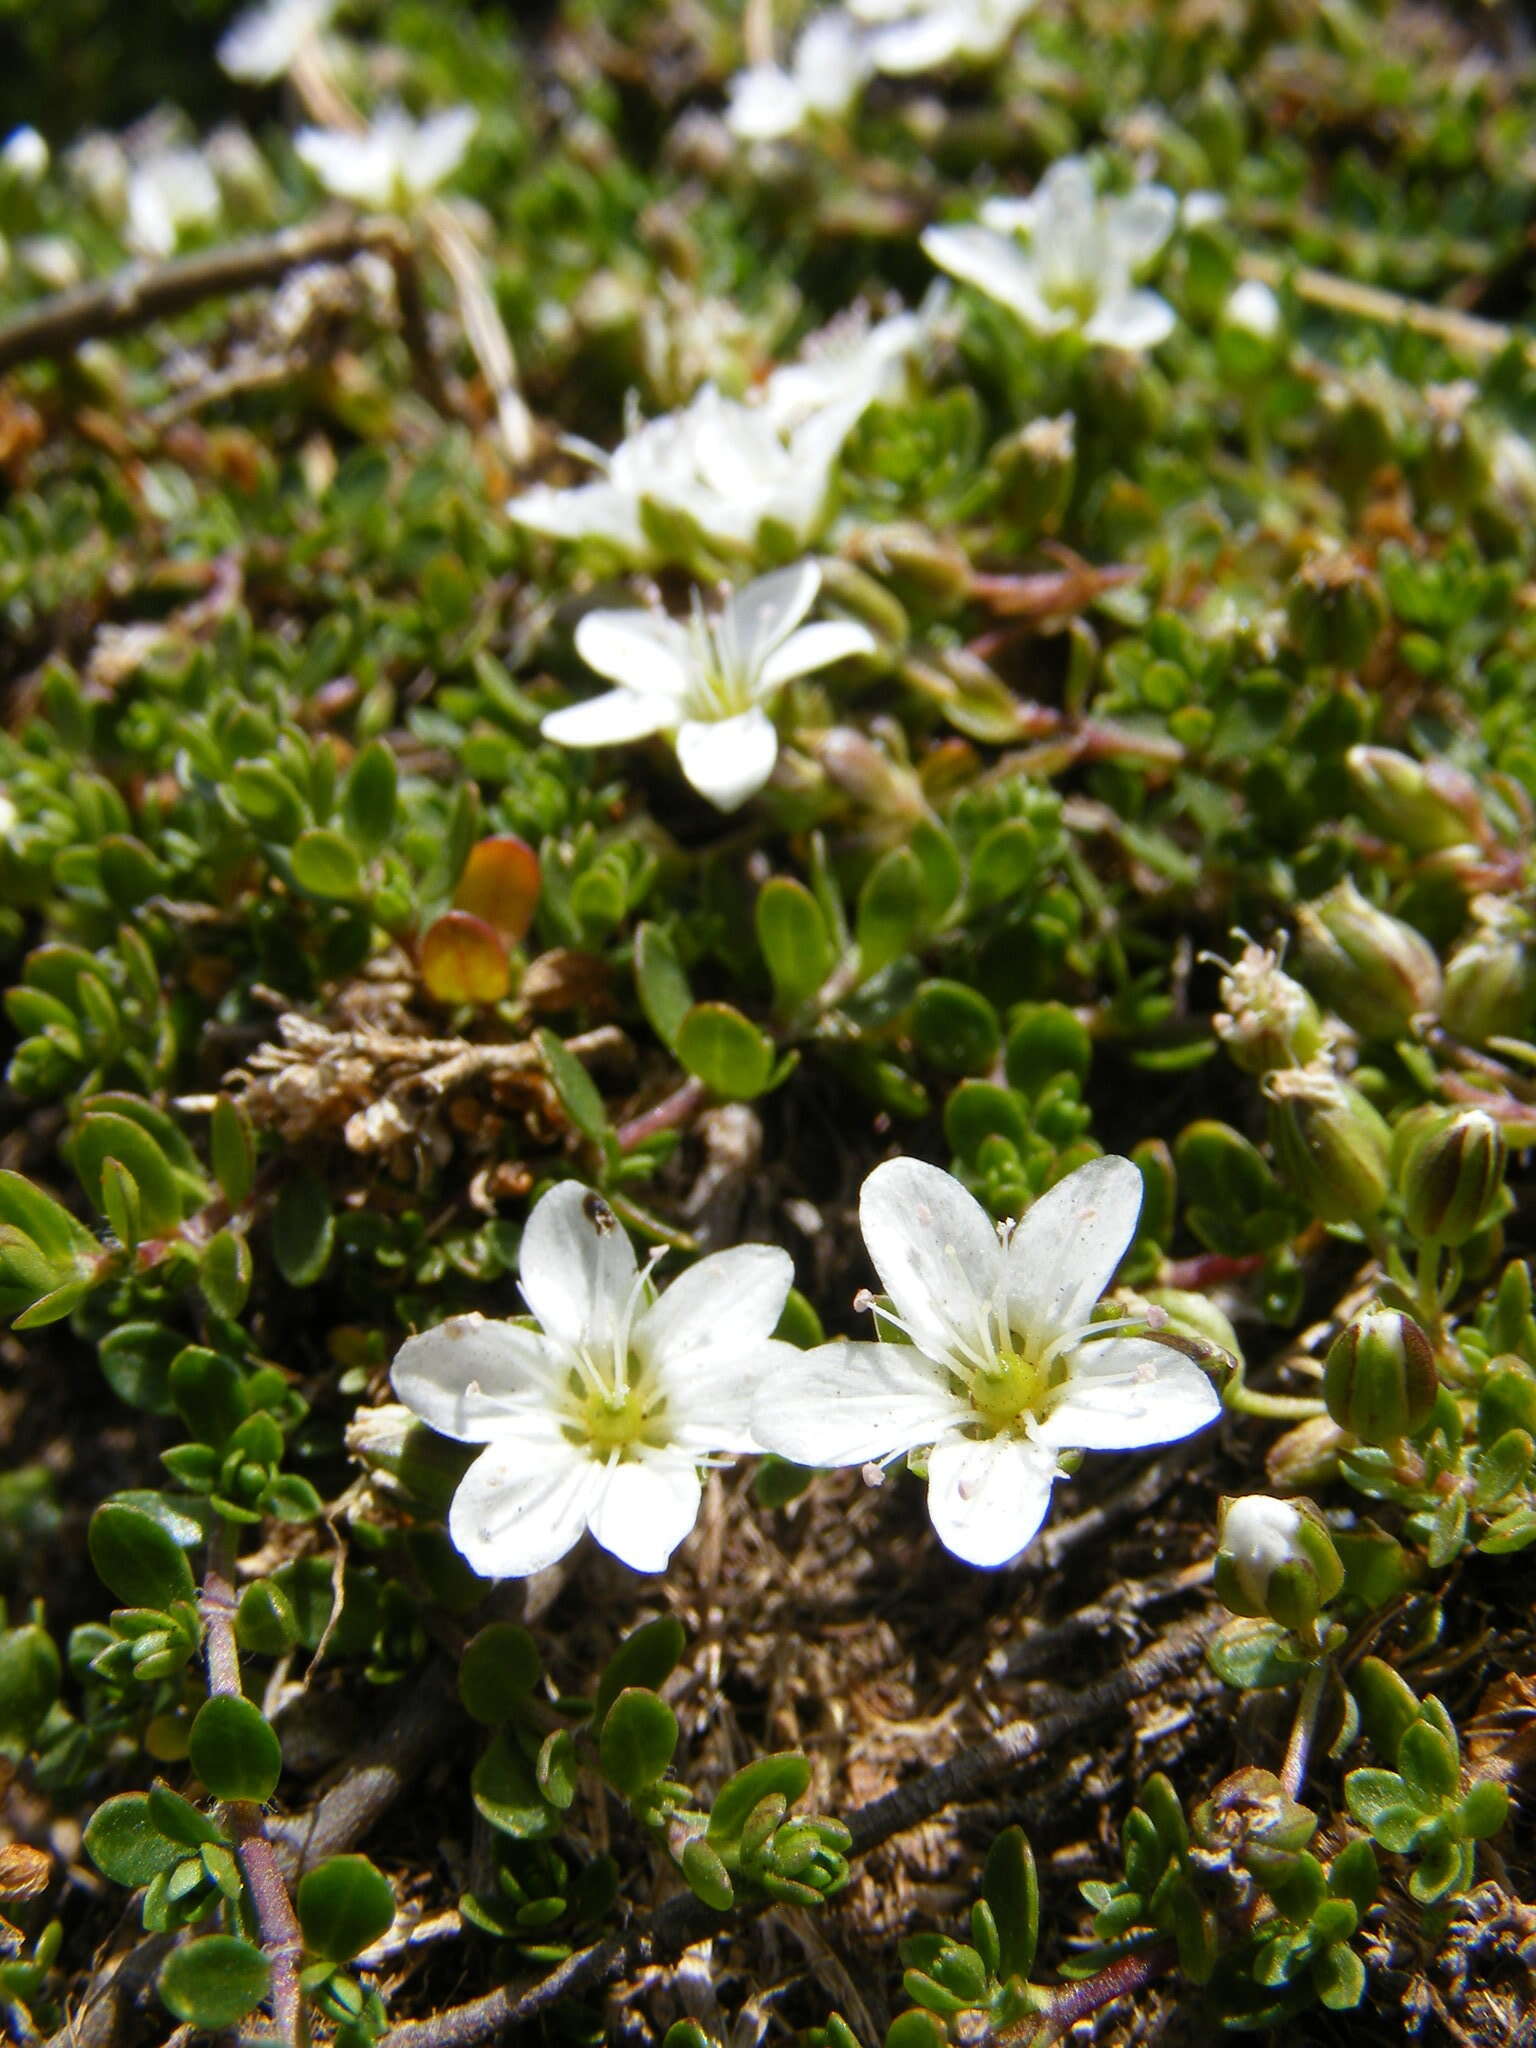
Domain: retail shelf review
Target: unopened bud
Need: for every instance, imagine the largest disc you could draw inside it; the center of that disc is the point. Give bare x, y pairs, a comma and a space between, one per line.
1456, 464
1268, 1020
1380, 1381
1251, 335
1426, 806
401, 1455
1450, 1173
1335, 610
1332, 1148
1275, 1558
1377, 972
936, 568
1490, 981
1360, 432
1037, 467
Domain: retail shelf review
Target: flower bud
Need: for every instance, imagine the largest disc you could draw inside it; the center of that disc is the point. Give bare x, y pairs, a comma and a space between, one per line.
1037, 467
402, 1456
1424, 805
1268, 1020
1377, 972
1275, 1558
1455, 466
1335, 611
1250, 338
1450, 1173
1380, 1381
1490, 981
1332, 1148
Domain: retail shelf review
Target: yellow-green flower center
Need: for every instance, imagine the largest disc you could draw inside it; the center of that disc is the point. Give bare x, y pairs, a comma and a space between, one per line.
623, 1420
1015, 1387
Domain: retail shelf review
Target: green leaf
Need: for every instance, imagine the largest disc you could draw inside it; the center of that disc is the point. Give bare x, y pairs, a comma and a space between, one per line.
794, 939
124, 1843
1502, 1467
1388, 1705
1353, 1875
232, 1149
30, 1674
214, 1982
1012, 1890
497, 1671
891, 908
344, 1906
1483, 1811
506, 1792
303, 1229
578, 1092
234, 1749
784, 1775
120, 1202
225, 1273
464, 960
1005, 863
915, 2029
1339, 1976
1046, 1039
327, 865
638, 1740
956, 1028
661, 981
137, 1558
558, 1768
1253, 1655
208, 1390
136, 1362
726, 1051
179, 1820
368, 802
1428, 1765
103, 1135
265, 1621
267, 800
707, 1877
62, 1240
1443, 1868
647, 1657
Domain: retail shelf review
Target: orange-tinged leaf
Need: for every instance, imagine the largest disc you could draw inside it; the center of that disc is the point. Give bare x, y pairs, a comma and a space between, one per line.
463, 960
500, 884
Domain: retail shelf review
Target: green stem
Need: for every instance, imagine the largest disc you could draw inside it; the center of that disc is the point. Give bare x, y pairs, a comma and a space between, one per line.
1245, 1400
1293, 1772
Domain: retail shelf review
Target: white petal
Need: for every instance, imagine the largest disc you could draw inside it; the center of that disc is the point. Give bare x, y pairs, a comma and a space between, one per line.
354, 167
1127, 1392
474, 1380
924, 43
988, 1497
1009, 216
606, 720
728, 759
728, 1300
765, 103
644, 1509
844, 1404
642, 650
832, 61
935, 1250
714, 1411
763, 614
815, 647
522, 1505
1140, 223
997, 266
1065, 1249
598, 511
576, 1266
437, 147
1131, 320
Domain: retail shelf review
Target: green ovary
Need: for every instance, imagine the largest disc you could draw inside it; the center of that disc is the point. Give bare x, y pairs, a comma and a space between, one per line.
1013, 1391
623, 1422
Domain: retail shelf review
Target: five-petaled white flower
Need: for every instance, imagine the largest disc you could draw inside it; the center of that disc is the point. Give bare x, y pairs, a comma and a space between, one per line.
728, 467
170, 189
600, 1418
830, 67
395, 163
707, 680
1005, 1367
925, 35
262, 43
1078, 265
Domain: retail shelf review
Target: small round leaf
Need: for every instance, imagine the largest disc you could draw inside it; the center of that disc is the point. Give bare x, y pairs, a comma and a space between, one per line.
234, 1749
137, 1558
464, 960
214, 1982
344, 1906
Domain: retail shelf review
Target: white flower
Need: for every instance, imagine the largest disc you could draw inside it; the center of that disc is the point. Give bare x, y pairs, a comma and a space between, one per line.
601, 1417
395, 163
25, 155
925, 35
1259, 1534
707, 681
1254, 309
1078, 266
170, 189
263, 43
829, 69
1005, 1368
729, 467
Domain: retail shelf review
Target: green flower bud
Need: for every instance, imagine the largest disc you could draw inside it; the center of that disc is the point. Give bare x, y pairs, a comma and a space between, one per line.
1380, 1381
1268, 1020
402, 1456
1250, 336
1275, 1558
1425, 805
1377, 972
1335, 611
1456, 466
916, 557
1451, 1173
1360, 431
1490, 980
1331, 1147
1037, 467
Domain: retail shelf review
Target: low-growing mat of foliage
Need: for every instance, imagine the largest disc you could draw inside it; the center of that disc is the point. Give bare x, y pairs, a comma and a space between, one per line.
769, 934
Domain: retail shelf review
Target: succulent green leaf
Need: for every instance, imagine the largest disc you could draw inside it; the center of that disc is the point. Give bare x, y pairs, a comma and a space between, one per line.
497, 1671
214, 1982
124, 1843
639, 1735
137, 1558
647, 1657
344, 1905
726, 1051
234, 1749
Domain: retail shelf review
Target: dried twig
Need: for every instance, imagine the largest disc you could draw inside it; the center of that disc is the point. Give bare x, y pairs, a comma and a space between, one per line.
684, 1920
